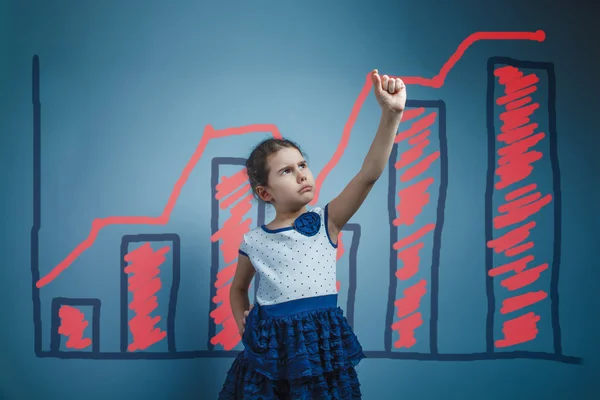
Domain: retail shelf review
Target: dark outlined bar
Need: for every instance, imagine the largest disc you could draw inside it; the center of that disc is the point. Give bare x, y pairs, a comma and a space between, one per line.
349, 287
217, 164
55, 337
176, 261
37, 209
432, 213
549, 236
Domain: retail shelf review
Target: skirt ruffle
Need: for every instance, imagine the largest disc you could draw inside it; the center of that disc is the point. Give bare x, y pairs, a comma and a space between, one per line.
309, 343
243, 382
303, 355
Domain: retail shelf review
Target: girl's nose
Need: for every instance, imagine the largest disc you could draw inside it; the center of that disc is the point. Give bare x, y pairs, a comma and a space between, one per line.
301, 176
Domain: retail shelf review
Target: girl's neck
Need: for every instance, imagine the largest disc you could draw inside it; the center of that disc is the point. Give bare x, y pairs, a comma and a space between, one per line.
285, 218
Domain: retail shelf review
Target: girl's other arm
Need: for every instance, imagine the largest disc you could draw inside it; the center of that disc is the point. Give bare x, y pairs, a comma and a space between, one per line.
238, 293
391, 96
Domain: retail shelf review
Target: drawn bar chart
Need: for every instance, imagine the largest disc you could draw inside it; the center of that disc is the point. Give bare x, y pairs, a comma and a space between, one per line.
523, 319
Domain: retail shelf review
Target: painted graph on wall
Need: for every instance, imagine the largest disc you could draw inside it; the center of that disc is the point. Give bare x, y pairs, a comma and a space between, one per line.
522, 235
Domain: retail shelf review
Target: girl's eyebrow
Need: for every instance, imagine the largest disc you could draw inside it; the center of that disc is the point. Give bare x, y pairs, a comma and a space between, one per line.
289, 165
284, 167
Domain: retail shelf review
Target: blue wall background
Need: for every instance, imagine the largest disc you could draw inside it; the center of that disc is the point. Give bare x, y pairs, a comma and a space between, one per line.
126, 92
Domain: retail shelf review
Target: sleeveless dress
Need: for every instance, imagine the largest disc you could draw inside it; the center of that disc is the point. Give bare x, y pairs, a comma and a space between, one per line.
297, 342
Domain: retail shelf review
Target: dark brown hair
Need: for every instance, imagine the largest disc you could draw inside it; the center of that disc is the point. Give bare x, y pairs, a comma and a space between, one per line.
257, 166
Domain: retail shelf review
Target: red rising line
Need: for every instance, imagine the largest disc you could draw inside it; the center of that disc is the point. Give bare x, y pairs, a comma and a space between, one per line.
144, 284
210, 133
98, 224
72, 326
439, 80
339, 151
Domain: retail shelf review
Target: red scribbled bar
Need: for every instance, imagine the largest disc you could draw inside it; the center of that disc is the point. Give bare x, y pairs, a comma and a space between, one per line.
144, 283
519, 330
234, 194
521, 297
415, 180
406, 330
72, 326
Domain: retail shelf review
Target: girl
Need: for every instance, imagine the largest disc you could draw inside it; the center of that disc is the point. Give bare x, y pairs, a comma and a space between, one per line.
297, 342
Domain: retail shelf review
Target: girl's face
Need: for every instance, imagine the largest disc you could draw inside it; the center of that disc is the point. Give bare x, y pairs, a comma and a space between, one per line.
290, 183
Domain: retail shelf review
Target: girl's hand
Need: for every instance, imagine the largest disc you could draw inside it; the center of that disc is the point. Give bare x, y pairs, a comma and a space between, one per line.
243, 326
390, 92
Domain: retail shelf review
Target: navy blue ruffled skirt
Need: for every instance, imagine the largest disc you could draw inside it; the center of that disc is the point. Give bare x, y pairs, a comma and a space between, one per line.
300, 349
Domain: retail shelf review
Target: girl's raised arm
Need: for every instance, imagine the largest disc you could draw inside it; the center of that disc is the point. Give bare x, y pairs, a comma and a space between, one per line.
391, 96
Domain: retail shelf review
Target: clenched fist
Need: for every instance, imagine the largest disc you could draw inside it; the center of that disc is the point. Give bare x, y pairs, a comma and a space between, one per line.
390, 92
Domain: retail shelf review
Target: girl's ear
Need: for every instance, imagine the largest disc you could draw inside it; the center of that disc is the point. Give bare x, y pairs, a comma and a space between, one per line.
264, 194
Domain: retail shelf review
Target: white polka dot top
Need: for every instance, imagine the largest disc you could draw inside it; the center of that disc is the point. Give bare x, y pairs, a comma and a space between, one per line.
294, 262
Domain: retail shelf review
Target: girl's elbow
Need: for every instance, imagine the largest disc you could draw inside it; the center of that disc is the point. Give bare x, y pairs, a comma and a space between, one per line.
237, 290
369, 176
